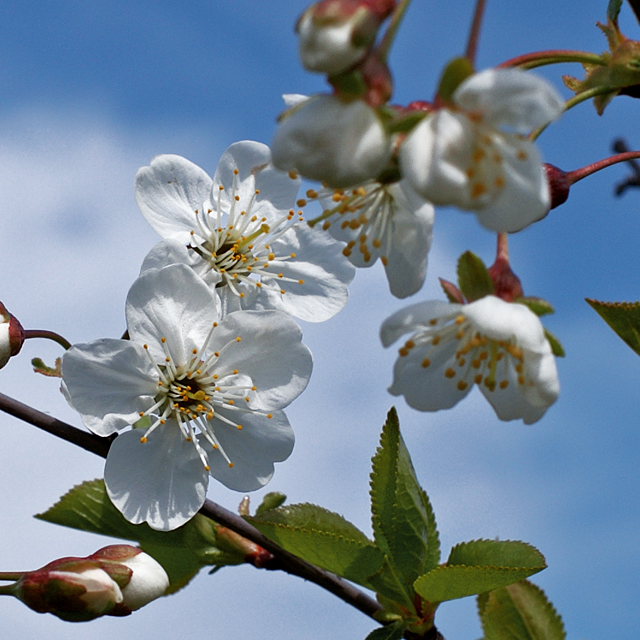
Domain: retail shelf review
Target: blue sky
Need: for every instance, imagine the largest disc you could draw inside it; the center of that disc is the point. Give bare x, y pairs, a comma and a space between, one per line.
92, 91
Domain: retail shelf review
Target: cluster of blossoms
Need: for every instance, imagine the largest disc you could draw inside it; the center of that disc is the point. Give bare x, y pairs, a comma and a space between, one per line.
212, 354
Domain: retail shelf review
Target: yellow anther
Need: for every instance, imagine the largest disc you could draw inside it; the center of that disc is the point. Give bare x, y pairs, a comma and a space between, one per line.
521, 379
239, 427
504, 384
459, 319
450, 373
409, 344
403, 351
478, 378
143, 440
433, 321
384, 260
436, 340
460, 334
293, 175
426, 362
325, 225
207, 467
282, 291
462, 385
301, 203
478, 189
522, 155
163, 340
269, 415
300, 281
238, 339
377, 243
141, 414
235, 371
237, 198
231, 465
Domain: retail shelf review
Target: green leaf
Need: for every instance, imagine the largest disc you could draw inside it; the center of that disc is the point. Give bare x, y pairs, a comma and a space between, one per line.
392, 631
452, 292
271, 500
539, 306
387, 583
473, 277
458, 581
323, 538
520, 611
556, 348
182, 552
623, 318
613, 10
496, 553
454, 74
404, 525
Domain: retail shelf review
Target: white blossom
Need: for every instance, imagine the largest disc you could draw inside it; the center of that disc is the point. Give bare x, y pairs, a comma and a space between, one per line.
499, 346
241, 234
471, 154
326, 139
386, 221
205, 395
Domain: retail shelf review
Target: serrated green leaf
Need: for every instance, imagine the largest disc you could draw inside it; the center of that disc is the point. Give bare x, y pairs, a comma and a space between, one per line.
323, 538
520, 611
623, 318
539, 306
392, 631
403, 521
496, 553
613, 10
387, 583
556, 348
473, 277
181, 551
271, 500
454, 74
459, 581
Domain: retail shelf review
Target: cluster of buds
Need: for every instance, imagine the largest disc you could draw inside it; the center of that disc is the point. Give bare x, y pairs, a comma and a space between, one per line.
113, 581
11, 336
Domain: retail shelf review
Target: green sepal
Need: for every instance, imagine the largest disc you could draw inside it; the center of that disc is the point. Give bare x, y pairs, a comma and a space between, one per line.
271, 500
454, 74
454, 295
556, 347
182, 552
51, 372
393, 631
323, 538
613, 10
520, 611
620, 68
496, 553
405, 122
623, 318
539, 306
349, 85
473, 277
403, 522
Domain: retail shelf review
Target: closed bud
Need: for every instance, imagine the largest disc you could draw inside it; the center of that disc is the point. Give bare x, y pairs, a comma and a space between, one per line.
115, 581
11, 336
337, 34
559, 185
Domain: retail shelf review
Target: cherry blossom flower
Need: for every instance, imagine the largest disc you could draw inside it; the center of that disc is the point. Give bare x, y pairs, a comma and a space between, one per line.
205, 396
240, 233
386, 221
462, 156
327, 139
497, 345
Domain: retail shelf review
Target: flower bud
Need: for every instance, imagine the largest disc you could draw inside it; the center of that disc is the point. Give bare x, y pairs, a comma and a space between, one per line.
337, 34
326, 139
559, 185
113, 581
11, 336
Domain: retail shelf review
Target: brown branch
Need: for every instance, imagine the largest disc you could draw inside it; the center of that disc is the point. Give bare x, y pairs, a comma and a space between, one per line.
284, 561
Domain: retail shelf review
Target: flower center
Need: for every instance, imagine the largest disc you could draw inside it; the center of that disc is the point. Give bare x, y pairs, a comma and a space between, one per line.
476, 358
365, 213
241, 249
200, 396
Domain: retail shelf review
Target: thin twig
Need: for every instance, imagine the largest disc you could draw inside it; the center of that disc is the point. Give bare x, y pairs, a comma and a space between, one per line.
474, 32
285, 561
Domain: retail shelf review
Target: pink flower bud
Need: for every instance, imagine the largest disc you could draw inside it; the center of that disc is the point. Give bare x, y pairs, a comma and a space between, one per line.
115, 581
11, 336
337, 34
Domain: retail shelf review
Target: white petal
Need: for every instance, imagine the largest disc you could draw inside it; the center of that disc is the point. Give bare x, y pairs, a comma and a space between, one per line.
252, 160
510, 97
525, 196
169, 191
326, 139
319, 264
270, 353
161, 482
252, 449
436, 155
415, 318
412, 227
108, 382
171, 303
427, 388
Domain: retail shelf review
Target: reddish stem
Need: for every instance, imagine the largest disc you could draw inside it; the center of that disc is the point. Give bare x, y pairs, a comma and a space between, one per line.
578, 174
474, 32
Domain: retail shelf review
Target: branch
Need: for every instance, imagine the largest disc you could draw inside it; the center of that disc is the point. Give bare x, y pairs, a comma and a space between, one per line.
284, 561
